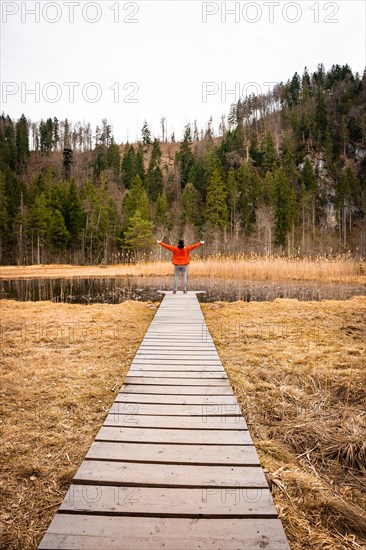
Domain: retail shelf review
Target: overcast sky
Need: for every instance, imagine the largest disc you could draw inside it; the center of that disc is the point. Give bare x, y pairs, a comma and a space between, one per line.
127, 61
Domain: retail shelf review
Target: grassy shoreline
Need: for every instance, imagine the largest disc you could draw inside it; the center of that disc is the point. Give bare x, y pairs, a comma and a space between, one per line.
335, 270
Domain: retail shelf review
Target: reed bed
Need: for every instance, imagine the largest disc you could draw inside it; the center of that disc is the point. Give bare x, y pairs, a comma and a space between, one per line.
299, 372
342, 269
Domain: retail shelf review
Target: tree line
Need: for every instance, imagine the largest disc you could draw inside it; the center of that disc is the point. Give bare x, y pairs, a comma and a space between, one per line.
285, 175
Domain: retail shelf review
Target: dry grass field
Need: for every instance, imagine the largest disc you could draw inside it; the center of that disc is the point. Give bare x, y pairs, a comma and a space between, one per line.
298, 370
333, 270
62, 367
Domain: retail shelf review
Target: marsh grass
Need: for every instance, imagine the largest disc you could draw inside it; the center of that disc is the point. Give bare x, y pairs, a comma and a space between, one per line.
301, 385
342, 269
62, 366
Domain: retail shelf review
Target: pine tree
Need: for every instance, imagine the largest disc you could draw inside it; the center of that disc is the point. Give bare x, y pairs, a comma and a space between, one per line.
270, 159
285, 200
59, 236
140, 168
114, 158
138, 236
67, 162
154, 176
308, 177
38, 223
146, 135
185, 157
190, 205
216, 206
233, 197
135, 199
22, 144
249, 187
75, 216
162, 210
128, 166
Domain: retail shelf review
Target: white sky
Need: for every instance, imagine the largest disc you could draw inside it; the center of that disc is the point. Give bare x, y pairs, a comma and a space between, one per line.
168, 54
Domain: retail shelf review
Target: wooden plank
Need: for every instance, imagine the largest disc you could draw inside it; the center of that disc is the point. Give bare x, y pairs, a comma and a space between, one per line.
123, 533
68, 531
191, 355
173, 381
176, 399
178, 374
202, 410
177, 390
211, 501
244, 455
132, 420
171, 475
171, 436
178, 368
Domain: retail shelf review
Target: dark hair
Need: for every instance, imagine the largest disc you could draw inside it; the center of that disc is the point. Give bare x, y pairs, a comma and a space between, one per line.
181, 243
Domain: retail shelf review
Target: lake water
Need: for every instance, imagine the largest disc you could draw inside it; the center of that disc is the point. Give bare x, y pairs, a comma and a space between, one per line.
115, 290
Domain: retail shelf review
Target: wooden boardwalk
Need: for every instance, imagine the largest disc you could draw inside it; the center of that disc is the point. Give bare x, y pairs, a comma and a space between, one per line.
173, 466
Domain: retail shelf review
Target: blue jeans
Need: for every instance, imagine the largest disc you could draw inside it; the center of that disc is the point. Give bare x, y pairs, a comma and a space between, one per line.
183, 269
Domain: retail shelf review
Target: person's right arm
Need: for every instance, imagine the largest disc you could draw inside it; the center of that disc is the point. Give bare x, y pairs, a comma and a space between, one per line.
168, 246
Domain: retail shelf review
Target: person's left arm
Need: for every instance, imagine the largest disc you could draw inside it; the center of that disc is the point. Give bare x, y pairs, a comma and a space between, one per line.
193, 246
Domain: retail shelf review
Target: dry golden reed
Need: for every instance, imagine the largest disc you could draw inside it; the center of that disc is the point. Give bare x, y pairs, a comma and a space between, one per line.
299, 372
255, 268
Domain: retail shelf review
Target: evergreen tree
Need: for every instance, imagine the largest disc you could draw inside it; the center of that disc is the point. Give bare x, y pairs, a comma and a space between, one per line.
135, 199
74, 216
154, 176
216, 206
140, 168
308, 177
162, 210
270, 159
233, 197
38, 224
22, 144
138, 236
249, 187
114, 158
185, 157
67, 162
321, 118
59, 236
284, 197
146, 135
190, 205
128, 167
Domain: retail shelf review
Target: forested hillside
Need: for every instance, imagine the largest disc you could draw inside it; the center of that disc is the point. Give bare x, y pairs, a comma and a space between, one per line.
285, 174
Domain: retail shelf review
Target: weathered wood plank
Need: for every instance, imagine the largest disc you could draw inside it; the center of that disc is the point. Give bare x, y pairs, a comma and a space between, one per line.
244, 455
178, 436
202, 410
134, 420
176, 399
171, 475
177, 368
173, 381
68, 531
209, 500
178, 374
177, 390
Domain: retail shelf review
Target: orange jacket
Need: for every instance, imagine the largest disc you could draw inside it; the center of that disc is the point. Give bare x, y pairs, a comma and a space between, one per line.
180, 255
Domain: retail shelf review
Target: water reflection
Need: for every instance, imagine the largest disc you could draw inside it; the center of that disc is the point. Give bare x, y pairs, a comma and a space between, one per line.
114, 290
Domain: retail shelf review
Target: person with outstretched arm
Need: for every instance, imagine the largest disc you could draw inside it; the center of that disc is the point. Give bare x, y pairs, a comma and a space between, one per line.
180, 261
